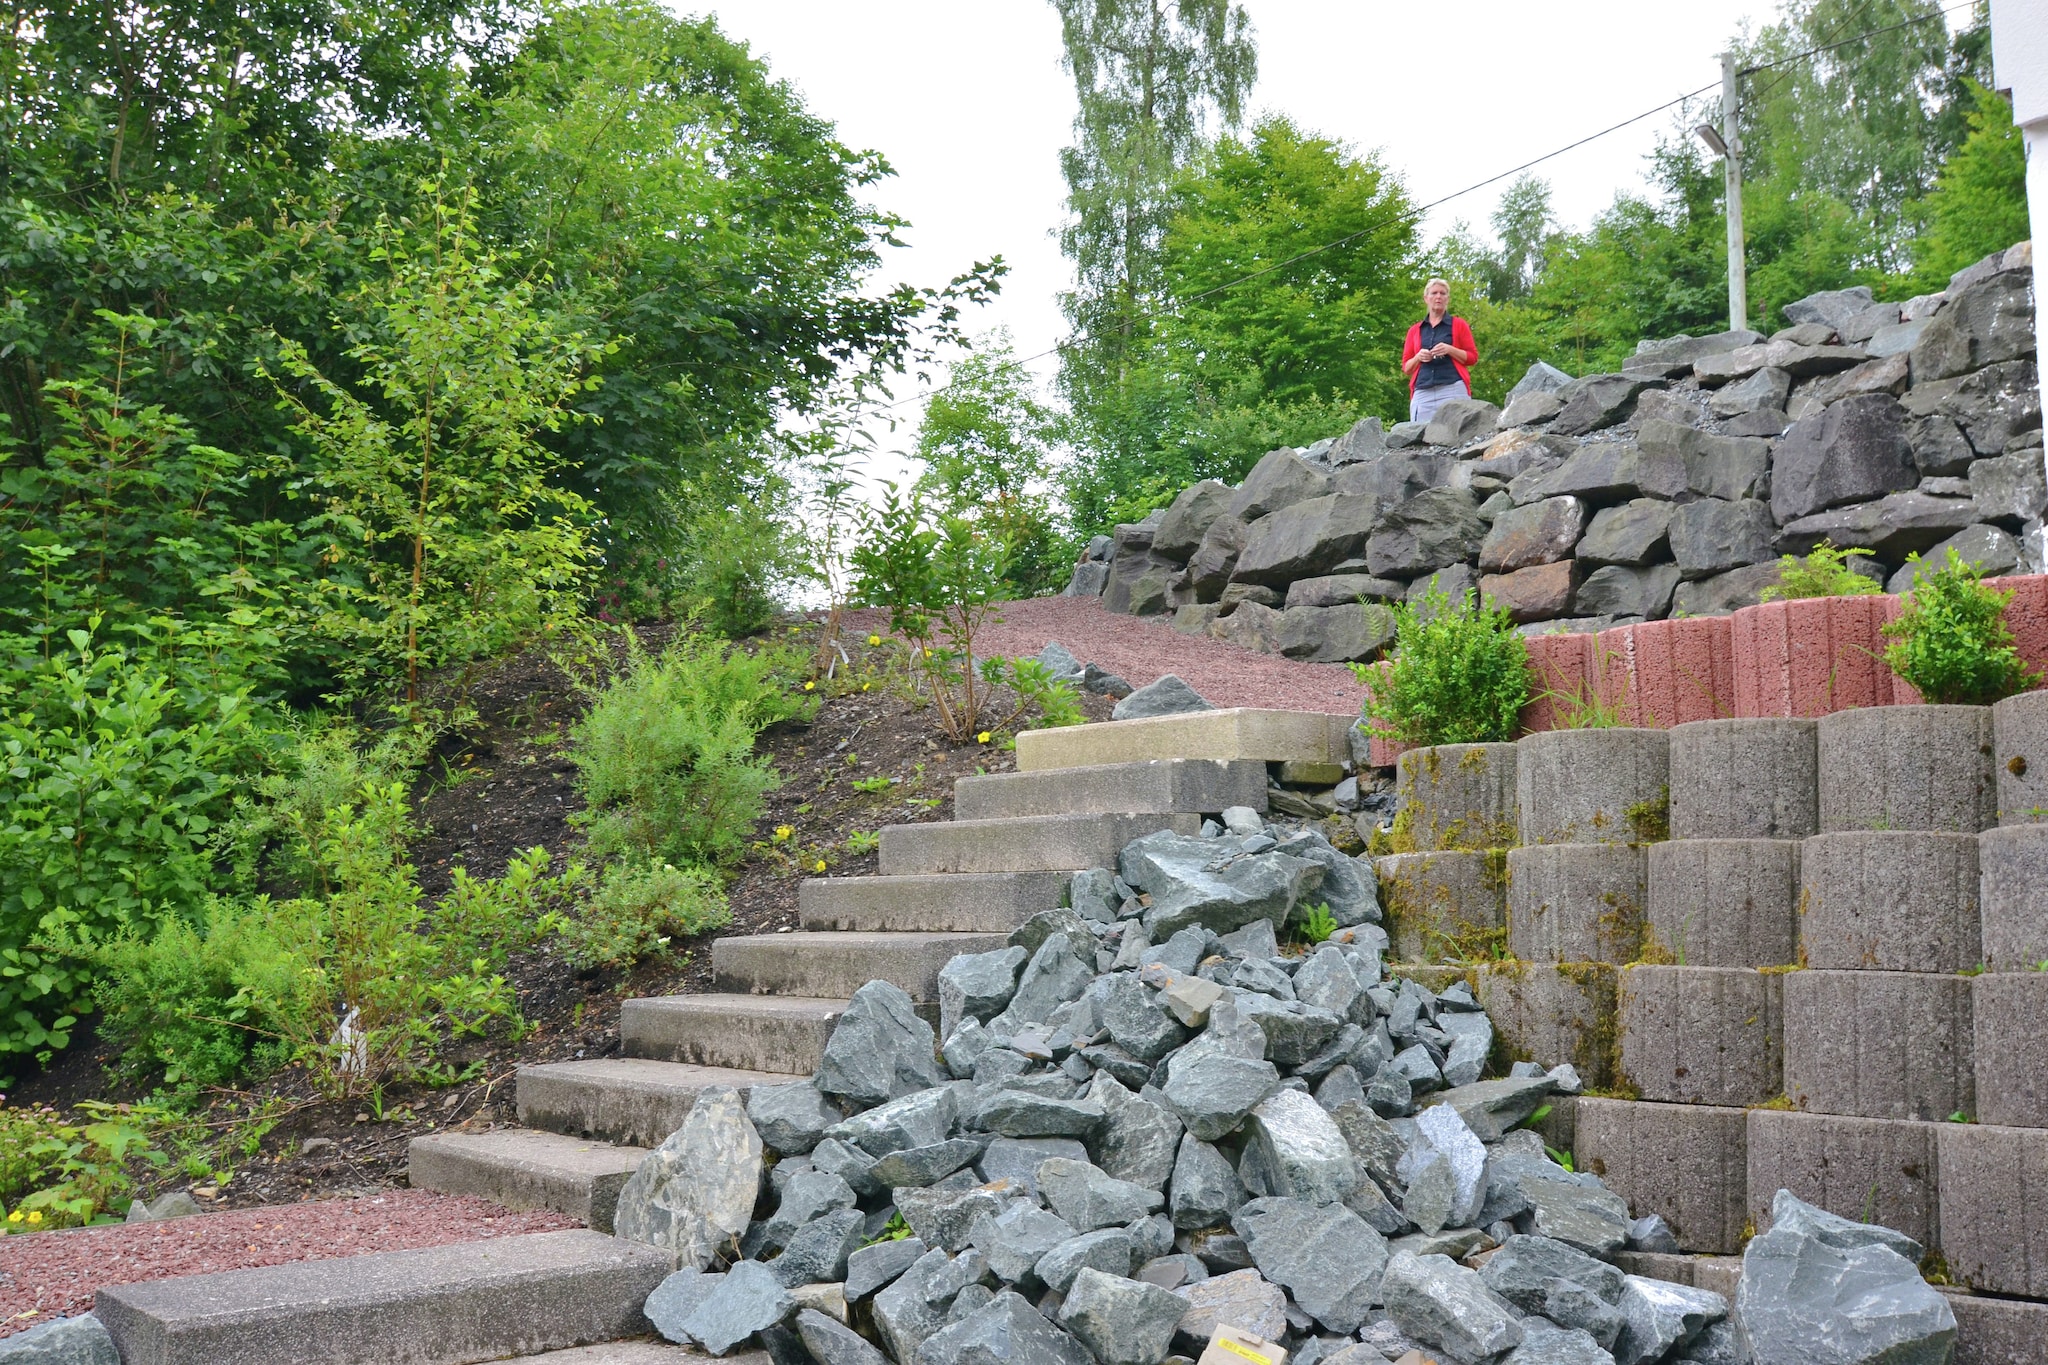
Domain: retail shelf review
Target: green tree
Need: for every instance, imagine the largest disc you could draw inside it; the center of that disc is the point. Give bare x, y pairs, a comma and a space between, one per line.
1979, 203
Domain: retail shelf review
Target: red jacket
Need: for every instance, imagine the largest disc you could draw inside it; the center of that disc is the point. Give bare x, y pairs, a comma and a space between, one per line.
1461, 337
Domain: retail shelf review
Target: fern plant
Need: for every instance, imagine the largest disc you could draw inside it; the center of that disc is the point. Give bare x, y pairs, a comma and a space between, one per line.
1823, 573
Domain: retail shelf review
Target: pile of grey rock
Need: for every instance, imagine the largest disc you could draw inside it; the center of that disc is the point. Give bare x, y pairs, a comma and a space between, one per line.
1144, 1118
1672, 486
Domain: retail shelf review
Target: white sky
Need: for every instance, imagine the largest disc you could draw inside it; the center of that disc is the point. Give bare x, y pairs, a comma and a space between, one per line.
967, 100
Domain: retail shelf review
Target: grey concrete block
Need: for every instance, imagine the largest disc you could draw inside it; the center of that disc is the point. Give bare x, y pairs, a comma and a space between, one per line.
1745, 779
1994, 1207
630, 1100
1686, 1162
1718, 1275
1199, 785
1998, 1331
745, 1032
1907, 767
1890, 900
1577, 902
2019, 728
837, 965
1872, 1170
1458, 796
643, 1351
1592, 786
1672, 1267
1724, 902
1888, 1045
1444, 906
2009, 1020
974, 902
524, 1168
1549, 1013
1701, 1035
505, 1296
1025, 843
2012, 893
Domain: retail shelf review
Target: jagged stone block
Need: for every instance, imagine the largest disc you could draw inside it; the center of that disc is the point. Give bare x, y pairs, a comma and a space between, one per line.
1593, 786
1994, 1207
1723, 902
1890, 900
2019, 728
1892, 1045
1701, 1035
1458, 796
1907, 768
1872, 1170
1576, 902
1441, 906
2009, 1022
2012, 889
1549, 1013
1687, 1163
1745, 779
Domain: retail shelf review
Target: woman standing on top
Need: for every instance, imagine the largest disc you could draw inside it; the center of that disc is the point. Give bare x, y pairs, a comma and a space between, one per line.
1439, 356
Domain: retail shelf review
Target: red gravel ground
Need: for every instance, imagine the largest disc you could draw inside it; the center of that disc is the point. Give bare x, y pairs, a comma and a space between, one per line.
1139, 649
53, 1274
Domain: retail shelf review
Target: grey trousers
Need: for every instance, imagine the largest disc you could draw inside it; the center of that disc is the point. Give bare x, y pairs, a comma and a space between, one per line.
1423, 403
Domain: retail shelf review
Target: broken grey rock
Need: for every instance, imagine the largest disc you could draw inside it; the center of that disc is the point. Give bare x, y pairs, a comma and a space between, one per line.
1015, 1240
1190, 517
879, 1050
1165, 696
1614, 591
695, 1193
1298, 1151
915, 1167
790, 1118
1540, 377
873, 1267
1106, 1249
1461, 421
849, 1163
1138, 1020
1543, 1275
747, 1299
1365, 441
1121, 1321
1022, 1114
1712, 536
978, 986
673, 1300
1543, 1344
1652, 1233
1006, 1331
1636, 532
1325, 1256
1600, 400
1280, 479
919, 1119
944, 1217
817, 1252
1305, 540
810, 1195
1659, 1316
903, 1317
1442, 1304
1139, 1135
834, 1343
1795, 1216
1435, 529
1766, 388
1017, 1159
1210, 883
1088, 1198
1852, 452
1241, 1298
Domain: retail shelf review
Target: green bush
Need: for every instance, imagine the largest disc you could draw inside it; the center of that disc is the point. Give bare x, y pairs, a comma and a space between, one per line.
1459, 675
1952, 642
666, 753
637, 910
1824, 573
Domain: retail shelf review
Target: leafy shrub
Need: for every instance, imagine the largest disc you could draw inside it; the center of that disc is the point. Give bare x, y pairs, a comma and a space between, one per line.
1458, 675
637, 910
1952, 642
666, 752
58, 1175
1824, 573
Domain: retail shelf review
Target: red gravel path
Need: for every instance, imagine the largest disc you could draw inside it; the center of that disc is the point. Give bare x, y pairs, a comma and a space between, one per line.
53, 1274
1141, 648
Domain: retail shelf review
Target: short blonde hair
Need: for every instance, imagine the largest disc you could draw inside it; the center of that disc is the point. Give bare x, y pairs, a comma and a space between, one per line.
1434, 283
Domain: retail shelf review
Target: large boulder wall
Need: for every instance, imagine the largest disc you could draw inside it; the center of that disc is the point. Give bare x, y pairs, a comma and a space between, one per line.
1672, 487
1161, 1113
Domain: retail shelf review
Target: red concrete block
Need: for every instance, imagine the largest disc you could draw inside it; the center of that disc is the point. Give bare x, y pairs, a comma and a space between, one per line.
1560, 675
1665, 673
1382, 753
1811, 657
2027, 614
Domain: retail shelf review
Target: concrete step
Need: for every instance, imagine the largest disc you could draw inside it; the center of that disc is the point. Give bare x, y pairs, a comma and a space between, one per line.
1200, 785
839, 964
748, 1032
447, 1305
1230, 734
1030, 843
629, 1100
964, 902
525, 1168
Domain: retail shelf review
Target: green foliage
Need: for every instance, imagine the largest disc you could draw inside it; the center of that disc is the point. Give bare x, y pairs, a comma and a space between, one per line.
637, 910
665, 755
1952, 643
1318, 924
1979, 201
58, 1175
1458, 675
1823, 573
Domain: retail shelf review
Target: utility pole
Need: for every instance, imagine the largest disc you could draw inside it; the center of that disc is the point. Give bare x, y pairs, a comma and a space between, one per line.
1726, 143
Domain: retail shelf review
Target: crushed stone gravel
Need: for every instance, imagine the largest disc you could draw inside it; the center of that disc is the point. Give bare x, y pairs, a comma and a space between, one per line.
49, 1275
1140, 649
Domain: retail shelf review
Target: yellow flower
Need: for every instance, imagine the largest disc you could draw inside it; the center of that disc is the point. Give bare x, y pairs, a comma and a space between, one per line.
819, 866
982, 738
14, 1217
864, 686
810, 687
927, 654
874, 639
36, 1216
782, 833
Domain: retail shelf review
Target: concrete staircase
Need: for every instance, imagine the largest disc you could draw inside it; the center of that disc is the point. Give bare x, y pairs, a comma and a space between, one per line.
943, 888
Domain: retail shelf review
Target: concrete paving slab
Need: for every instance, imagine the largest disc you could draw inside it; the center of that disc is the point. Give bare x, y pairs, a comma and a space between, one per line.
1227, 734
1687, 1162
837, 965
635, 1101
1458, 796
1724, 902
526, 1168
1994, 1207
1444, 906
1593, 786
744, 1032
2012, 863
1577, 902
1908, 767
447, 1305
2009, 1023
1203, 786
1890, 900
1872, 1170
1887, 1045
1025, 843
1701, 1035
1744, 779
980, 902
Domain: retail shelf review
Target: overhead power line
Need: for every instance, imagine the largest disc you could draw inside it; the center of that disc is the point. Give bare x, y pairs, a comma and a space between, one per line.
1417, 212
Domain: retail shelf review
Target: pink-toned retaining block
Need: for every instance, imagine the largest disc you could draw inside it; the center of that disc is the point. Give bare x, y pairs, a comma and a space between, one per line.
1665, 673
1560, 674
1811, 657
1382, 753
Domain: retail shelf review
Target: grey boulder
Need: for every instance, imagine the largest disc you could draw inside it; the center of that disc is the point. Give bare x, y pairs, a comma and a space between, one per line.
1297, 1150
1190, 517
1205, 1190
695, 1193
879, 1050
873, 1267
791, 1119
1006, 1331
1120, 1321
1432, 530
1280, 479
1241, 1298
1212, 884
1165, 696
1854, 451
1089, 1198
80, 1340
1440, 1303
745, 1300
1325, 1256
831, 1342
978, 986
1139, 1134
1660, 1317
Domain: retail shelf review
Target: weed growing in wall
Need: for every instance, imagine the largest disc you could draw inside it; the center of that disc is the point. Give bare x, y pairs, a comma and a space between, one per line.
1459, 675
1952, 642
